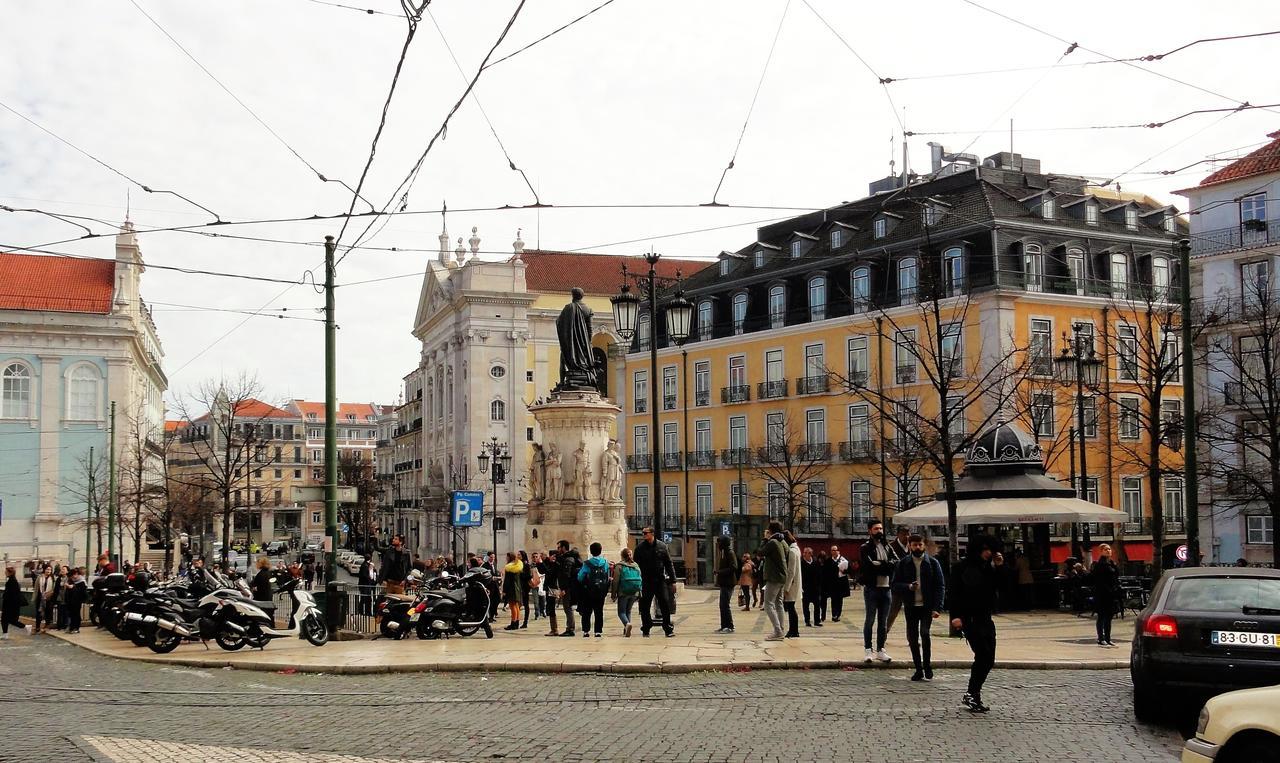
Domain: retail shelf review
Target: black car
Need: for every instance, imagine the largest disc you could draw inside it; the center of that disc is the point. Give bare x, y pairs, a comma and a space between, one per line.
1205, 630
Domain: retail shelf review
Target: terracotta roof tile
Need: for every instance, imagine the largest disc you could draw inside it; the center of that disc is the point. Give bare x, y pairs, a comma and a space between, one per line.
597, 274
56, 284
255, 409
1260, 162
362, 411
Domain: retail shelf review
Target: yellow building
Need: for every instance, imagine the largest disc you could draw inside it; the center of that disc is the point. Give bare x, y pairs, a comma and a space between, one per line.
810, 381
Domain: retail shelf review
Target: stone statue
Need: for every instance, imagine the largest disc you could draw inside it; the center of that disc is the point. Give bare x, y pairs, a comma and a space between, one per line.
573, 327
537, 473
553, 475
611, 473
581, 470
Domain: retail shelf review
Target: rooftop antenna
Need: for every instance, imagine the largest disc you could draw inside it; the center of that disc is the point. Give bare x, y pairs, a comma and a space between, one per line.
1011, 135
906, 157
128, 203
537, 238
893, 149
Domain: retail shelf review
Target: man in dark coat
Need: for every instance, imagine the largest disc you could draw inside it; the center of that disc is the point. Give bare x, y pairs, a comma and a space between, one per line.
657, 573
395, 566
811, 587
975, 583
568, 560
919, 584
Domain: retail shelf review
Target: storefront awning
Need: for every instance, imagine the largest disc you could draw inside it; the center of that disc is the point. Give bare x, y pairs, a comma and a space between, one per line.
1011, 511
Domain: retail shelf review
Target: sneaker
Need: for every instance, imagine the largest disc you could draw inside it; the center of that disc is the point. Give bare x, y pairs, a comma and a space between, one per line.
671, 634
4, 636
883, 656
774, 637
586, 635
868, 656
1101, 642
524, 624
599, 635
918, 675
512, 627
974, 704
1111, 643
928, 674
728, 630
644, 633
835, 619
817, 625
626, 630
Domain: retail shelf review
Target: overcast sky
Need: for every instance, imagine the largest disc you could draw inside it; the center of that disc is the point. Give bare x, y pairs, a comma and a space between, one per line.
640, 103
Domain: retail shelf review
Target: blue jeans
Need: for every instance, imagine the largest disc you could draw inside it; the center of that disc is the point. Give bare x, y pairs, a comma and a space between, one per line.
877, 601
624, 607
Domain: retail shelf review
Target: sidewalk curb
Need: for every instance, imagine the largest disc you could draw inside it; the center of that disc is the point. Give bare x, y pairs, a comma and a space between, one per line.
584, 666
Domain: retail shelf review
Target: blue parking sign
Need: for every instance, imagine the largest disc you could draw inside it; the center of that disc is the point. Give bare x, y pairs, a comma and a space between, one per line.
468, 508
666, 537
725, 531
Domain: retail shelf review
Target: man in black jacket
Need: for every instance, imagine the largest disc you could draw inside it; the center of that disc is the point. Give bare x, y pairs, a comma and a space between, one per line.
919, 584
656, 574
568, 560
395, 566
973, 600
549, 568
875, 570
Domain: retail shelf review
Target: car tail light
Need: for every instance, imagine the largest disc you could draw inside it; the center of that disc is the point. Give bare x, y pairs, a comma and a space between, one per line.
1160, 626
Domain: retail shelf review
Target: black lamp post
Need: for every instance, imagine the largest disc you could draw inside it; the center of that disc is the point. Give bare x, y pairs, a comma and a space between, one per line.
1079, 365
501, 457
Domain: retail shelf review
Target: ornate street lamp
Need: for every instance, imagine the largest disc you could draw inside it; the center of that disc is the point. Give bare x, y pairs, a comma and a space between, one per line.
626, 308
501, 457
1079, 366
679, 316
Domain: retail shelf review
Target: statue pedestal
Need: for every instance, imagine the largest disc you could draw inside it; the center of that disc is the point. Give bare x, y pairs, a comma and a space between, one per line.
570, 421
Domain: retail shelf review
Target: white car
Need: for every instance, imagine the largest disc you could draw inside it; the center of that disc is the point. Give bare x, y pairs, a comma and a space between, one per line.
1237, 727
353, 564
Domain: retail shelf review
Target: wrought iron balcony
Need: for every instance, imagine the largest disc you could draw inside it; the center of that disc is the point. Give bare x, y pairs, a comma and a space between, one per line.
771, 390
905, 445
1232, 393
812, 385
698, 522
640, 463
702, 397
857, 380
857, 450
814, 452
668, 402
702, 459
637, 522
735, 457
815, 525
672, 461
739, 393
772, 454
642, 405
905, 374
1244, 236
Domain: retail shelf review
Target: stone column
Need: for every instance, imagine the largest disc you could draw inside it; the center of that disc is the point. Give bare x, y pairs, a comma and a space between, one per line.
45, 522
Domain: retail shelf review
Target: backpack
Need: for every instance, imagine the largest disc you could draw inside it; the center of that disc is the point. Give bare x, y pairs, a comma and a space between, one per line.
598, 578
629, 581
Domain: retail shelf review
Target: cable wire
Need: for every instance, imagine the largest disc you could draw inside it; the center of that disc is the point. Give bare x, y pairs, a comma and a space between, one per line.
889, 96
552, 33
368, 11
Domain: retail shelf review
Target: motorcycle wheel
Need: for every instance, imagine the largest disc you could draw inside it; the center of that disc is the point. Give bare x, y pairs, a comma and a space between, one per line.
388, 632
140, 635
114, 620
229, 641
425, 631
315, 631
163, 641
468, 630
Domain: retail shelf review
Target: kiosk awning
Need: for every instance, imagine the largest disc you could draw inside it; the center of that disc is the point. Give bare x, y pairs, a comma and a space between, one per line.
1011, 511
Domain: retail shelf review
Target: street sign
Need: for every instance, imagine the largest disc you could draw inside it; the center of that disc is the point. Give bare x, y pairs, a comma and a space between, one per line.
666, 537
725, 530
316, 493
468, 508
1182, 553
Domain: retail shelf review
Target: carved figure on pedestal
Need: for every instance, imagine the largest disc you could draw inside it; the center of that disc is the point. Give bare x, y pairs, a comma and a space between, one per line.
581, 471
554, 474
537, 474
573, 329
611, 473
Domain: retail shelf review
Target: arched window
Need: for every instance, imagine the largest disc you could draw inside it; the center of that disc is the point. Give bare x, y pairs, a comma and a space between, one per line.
818, 298
739, 312
642, 332
777, 307
1033, 267
497, 411
1160, 277
705, 319
908, 279
1075, 268
953, 271
1119, 275
15, 392
860, 289
82, 394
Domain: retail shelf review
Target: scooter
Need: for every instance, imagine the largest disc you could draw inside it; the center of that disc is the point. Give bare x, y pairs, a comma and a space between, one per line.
254, 621
398, 615
462, 609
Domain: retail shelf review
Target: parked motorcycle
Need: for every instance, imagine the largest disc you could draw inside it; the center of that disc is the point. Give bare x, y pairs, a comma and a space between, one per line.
254, 621
463, 608
398, 615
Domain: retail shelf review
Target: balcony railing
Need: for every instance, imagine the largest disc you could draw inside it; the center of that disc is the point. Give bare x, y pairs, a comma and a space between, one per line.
857, 450
640, 463
772, 454
1232, 393
1239, 485
815, 525
738, 393
698, 522
668, 402
857, 380
637, 522
814, 452
771, 390
905, 445
812, 385
735, 457
702, 459
672, 461
702, 397
1236, 237
905, 374
642, 405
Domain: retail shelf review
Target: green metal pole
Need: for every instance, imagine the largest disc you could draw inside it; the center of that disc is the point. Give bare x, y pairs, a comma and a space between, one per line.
111, 486
88, 514
330, 415
1191, 483
655, 437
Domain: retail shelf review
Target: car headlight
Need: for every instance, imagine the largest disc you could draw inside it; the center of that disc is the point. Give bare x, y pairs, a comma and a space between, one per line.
1203, 722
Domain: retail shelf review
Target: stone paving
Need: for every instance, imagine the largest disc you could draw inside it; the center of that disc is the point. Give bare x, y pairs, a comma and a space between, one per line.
69, 705
1026, 640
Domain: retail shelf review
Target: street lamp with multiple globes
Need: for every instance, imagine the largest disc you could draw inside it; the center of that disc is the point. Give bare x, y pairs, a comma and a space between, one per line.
501, 457
626, 314
1081, 366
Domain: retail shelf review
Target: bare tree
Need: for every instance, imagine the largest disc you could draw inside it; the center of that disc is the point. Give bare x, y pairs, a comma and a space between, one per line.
141, 481
787, 464
90, 490
1240, 424
361, 516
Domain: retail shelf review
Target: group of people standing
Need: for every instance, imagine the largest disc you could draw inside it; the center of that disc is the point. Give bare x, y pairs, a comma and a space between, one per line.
58, 593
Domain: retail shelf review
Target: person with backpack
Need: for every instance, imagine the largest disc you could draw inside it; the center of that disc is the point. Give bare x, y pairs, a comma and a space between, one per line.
569, 562
658, 575
593, 584
626, 587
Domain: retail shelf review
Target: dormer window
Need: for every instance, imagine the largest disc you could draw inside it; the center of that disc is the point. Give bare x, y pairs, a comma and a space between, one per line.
704, 319
1170, 222
311, 417
1046, 207
777, 307
795, 249
837, 238
1131, 218
739, 312
1091, 213
881, 227
724, 267
759, 258
932, 213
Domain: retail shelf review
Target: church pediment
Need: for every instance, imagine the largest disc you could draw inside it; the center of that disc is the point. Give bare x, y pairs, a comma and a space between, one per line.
436, 295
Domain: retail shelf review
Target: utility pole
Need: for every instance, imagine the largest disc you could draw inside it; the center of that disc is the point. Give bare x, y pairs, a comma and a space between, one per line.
1191, 483
88, 514
330, 417
655, 437
111, 486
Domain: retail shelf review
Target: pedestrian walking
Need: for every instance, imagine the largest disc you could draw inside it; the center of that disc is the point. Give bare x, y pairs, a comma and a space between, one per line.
395, 566
810, 589
837, 582
366, 584
309, 574
898, 550
657, 575
874, 571
976, 581
550, 569
775, 577
594, 583
513, 588
919, 583
12, 603
44, 592
728, 573
261, 585
746, 578
569, 561
77, 593
757, 579
625, 588
791, 593
526, 583
1104, 577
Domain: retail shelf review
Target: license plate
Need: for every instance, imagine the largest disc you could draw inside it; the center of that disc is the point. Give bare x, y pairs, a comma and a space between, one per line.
1243, 638
413, 618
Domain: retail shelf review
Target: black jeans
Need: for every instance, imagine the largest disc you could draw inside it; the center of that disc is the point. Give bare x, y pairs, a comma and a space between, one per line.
73, 616
805, 604
726, 607
592, 605
919, 618
654, 589
746, 596
980, 632
819, 609
837, 606
1106, 609
793, 619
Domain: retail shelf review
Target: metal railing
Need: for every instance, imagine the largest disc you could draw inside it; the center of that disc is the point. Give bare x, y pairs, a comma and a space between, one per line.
905, 374
641, 405
702, 397
812, 385
735, 457
815, 525
857, 450
772, 454
702, 459
672, 461
1232, 393
668, 402
637, 522
640, 463
738, 393
856, 380
814, 451
1241, 236
771, 390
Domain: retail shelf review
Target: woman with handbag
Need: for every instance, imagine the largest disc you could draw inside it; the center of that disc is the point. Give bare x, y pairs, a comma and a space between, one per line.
11, 605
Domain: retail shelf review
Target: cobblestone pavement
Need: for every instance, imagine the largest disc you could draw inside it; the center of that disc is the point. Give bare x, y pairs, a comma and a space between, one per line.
66, 704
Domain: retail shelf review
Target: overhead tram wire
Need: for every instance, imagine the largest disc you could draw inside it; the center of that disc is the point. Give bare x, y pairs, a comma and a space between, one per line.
1165, 150
150, 265
1051, 35
100, 162
367, 11
1070, 49
1137, 125
751, 109
889, 96
548, 35
243, 105
402, 191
